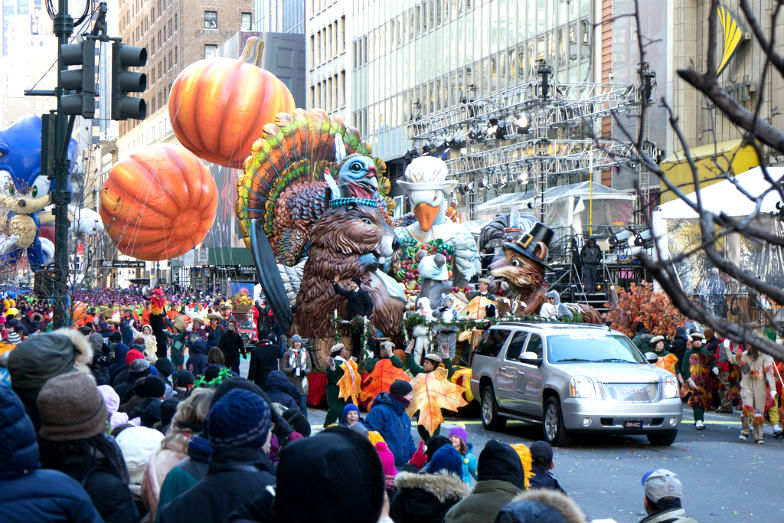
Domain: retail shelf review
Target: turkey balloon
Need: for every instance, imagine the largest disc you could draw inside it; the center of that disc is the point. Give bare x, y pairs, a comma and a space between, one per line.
158, 203
218, 106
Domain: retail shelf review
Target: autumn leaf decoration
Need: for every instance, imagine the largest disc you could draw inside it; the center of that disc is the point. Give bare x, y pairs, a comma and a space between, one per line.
433, 392
350, 383
380, 380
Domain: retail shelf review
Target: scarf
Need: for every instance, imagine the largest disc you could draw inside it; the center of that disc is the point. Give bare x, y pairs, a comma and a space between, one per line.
297, 360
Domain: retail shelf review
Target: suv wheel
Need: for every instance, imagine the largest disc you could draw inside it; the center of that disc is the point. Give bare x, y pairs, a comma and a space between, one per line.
663, 438
553, 427
490, 417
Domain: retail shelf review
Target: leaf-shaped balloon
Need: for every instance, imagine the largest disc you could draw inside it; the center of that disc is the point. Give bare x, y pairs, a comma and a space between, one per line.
350, 383
381, 379
433, 392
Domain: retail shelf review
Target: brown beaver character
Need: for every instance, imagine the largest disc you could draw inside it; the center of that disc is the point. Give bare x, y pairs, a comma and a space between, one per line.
523, 267
347, 242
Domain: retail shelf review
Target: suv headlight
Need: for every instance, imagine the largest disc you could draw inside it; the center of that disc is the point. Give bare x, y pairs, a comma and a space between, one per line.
670, 388
582, 387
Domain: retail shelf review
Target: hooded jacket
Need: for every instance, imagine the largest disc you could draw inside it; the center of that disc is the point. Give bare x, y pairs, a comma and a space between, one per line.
389, 418
541, 505
28, 492
426, 497
280, 390
499, 479
679, 342
187, 472
197, 360
561, 309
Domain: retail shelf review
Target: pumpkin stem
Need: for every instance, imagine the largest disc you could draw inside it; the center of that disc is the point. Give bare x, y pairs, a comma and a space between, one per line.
251, 54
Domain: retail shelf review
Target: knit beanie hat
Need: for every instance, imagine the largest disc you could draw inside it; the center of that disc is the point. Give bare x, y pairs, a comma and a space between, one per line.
184, 379
133, 355
400, 388
13, 337
446, 459
500, 461
348, 408
460, 432
115, 337
436, 443
71, 408
96, 341
45, 355
165, 367
238, 419
137, 445
112, 402
139, 368
154, 387
387, 459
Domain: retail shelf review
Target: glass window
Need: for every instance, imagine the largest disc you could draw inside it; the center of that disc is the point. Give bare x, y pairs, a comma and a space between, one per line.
593, 348
210, 50
210, 19
535, 345
516, 346
492, 341
245, 22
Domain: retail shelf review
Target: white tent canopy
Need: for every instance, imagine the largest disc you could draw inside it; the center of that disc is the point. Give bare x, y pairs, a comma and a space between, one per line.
725, 197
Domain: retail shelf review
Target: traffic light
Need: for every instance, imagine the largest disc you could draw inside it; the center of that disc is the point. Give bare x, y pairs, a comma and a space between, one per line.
82, 81
125, 81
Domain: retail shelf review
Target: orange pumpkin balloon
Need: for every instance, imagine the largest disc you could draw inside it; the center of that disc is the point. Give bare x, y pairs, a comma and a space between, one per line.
158, 203
219, 106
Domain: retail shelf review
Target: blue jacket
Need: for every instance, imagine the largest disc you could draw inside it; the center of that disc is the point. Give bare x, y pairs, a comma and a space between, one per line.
469, 464
197, 359
280, 390
214, 336
28, 492
126, 331
389, 418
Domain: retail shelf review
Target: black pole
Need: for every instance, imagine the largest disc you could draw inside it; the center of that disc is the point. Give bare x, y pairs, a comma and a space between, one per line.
63, 28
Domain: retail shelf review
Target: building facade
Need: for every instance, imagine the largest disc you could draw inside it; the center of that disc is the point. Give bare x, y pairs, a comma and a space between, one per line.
329, 65
279, 16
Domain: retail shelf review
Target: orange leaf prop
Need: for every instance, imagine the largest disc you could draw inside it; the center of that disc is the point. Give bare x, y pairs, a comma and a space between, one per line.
433, 392
380, 380
350, 383
667, 363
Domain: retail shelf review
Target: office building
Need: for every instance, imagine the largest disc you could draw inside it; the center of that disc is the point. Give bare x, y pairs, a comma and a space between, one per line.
279, 16
329, 65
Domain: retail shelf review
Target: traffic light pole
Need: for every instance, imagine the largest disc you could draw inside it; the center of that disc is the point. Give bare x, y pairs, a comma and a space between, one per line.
63, 28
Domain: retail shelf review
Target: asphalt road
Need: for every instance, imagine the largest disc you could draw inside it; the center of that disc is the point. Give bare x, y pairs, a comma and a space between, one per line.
724, 479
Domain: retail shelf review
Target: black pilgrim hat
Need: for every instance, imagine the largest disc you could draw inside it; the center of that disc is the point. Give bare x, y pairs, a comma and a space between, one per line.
534, 244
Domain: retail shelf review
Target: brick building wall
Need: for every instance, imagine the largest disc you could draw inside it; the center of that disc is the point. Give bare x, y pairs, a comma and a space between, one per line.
177, 33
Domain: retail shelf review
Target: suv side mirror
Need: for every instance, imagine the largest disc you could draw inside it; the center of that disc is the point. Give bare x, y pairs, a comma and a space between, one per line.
531, 358
651, 357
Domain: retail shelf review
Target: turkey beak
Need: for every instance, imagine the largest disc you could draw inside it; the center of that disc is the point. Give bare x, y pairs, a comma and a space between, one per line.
426, 215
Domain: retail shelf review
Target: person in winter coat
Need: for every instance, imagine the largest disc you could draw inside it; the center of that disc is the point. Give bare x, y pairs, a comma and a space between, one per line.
43, 356
238, 426
642, 337
28, 492
541, 505
149, 411
178, 342
541, 465
280, 390
663, 498
388, 417
232, 346
428, 496
296, 365
197, 358
359, 304
332, 477
351, 419
499, 479
263, 360
72, 440
591, 258
458, 437
187, 422
215, 330
112, 402
189, 471
335, 370
678, 346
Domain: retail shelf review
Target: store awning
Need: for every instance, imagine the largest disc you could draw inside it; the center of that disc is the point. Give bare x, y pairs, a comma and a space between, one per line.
711, 160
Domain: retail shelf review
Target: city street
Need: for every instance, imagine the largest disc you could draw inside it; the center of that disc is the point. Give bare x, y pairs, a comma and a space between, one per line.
723, 479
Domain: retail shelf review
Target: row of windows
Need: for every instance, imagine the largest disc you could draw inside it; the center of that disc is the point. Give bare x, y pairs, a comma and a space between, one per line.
163, 66
328, 43
211, 20
329, 94
316, 6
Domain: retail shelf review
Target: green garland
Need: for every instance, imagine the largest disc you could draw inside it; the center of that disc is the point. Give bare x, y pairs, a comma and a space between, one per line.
224, 374
412, 320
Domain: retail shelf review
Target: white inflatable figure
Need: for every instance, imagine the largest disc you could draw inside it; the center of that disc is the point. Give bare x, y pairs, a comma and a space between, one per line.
421, 332
428, 188
85, 220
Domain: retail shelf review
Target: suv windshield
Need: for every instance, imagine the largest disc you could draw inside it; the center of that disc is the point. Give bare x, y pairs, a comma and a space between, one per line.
591, 348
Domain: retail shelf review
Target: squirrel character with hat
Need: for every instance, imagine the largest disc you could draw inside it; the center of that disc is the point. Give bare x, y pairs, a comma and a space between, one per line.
428, 191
